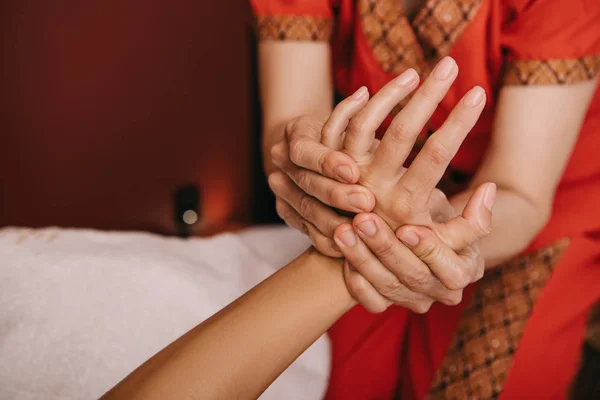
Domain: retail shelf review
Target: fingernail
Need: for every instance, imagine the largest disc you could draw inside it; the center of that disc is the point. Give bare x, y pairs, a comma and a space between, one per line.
345, 173
474, 97
348, 238
360, 93
358, 200
444, 68
368, 228
490, 197
410, 239
407, 78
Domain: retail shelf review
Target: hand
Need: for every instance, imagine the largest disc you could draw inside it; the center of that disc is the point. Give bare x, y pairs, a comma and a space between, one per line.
372, 271
313, 215
403, 195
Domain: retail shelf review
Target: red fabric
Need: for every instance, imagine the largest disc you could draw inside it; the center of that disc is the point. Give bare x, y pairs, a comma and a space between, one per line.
373, 353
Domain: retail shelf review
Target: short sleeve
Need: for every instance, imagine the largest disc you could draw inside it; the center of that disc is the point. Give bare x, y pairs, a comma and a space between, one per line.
550, 42
310, 20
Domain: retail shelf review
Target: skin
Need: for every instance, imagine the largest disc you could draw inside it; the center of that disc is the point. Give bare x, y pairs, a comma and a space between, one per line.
535, 129
239, 351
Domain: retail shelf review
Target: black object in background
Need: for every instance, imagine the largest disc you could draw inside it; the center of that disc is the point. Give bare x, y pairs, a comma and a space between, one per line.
186, 212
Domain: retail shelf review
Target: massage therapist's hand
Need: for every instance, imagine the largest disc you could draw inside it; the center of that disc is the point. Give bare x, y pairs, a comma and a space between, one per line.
380, 270
402, 195
306, 164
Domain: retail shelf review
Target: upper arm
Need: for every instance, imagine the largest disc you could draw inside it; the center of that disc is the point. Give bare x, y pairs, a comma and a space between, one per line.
552, 62
535, 130
294, 58
295, 79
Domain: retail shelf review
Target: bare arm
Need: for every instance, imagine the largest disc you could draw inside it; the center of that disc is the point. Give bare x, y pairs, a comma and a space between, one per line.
241, 350
295, 80
535, 130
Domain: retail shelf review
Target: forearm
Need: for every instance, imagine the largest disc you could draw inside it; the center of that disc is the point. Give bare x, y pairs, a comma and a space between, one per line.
516, 221
240, 350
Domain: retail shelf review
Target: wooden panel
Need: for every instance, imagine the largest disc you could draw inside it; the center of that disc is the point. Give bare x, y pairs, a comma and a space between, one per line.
109, 106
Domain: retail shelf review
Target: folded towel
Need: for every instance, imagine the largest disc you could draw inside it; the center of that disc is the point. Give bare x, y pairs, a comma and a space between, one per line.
80, 309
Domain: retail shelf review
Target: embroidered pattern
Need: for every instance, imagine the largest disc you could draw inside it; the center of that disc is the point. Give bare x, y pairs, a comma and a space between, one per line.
390, 36
551, 72
440, 23
396, 47
294, 27
489, 333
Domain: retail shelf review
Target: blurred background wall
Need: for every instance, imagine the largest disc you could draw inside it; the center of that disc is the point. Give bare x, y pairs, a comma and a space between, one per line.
109, 106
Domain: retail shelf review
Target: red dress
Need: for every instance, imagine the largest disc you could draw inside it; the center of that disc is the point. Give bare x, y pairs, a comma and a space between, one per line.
519, 333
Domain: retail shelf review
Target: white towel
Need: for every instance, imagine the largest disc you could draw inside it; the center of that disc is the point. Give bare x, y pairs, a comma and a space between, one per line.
80, 309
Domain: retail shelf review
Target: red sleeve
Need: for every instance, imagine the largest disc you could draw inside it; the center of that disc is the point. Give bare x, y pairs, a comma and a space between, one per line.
552, 42
293, 19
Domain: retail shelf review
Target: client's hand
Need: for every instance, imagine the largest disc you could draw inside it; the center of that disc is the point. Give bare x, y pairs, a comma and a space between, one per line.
402, 195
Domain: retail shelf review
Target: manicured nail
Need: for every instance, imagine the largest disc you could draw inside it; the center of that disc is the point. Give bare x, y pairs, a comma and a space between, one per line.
444, 68
410, 239
474, 97
358, 200
490, 197
348, 238
368, 228
407, 78
360, 93
345, 173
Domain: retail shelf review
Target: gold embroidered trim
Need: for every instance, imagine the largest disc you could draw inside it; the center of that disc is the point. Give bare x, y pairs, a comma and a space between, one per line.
294, 27
390, 36
441, 22
551, 72
490, 330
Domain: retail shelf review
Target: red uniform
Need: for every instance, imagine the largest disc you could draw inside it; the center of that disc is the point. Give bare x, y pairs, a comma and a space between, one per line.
519, 332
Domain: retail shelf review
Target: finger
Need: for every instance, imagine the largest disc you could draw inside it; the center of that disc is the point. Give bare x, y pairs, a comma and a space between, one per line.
332, 134
455, 272
400, 136
429, 165
323, 244
310, 209
361, 128
401, 261
371, 270
440, 208
306, 151
289, 215
475, 222
351, 198
374, 145
363, 292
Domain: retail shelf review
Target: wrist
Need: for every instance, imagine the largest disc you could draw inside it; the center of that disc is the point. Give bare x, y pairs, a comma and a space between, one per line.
328, 274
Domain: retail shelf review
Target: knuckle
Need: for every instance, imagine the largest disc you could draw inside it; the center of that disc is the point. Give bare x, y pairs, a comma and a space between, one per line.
385, 249
460, 279
454, 298
357, 124
306, 207
376, 307
430, 252
482, 227
429, 93
438, 152
422, 307
402, 131
332, 224
418, 278
392, 288
304, 180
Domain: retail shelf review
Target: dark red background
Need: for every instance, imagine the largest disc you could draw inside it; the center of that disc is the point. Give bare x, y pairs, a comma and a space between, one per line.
108, 106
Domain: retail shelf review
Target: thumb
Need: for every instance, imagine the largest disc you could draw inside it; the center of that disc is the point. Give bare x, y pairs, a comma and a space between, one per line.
475, 221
